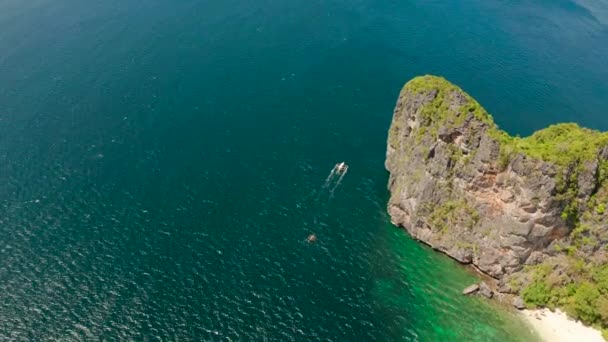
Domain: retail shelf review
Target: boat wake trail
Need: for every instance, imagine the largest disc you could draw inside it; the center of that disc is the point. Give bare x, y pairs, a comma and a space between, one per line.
337, 184
315, 207
329, 178
333, 180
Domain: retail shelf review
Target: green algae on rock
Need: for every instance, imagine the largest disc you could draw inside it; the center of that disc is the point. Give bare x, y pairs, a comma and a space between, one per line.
530, 212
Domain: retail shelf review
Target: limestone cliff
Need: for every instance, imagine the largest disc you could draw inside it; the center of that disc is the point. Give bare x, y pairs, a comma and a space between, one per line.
523, 210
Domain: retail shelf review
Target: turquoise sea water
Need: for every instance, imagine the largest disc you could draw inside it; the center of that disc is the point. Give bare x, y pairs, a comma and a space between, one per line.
162, 162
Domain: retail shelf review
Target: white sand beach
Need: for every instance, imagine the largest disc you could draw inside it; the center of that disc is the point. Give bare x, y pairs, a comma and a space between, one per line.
557, 327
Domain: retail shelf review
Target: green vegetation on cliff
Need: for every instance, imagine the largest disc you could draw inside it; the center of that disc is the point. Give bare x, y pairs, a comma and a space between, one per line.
563, 144
582, 291
447, 214
577, 280
437, 114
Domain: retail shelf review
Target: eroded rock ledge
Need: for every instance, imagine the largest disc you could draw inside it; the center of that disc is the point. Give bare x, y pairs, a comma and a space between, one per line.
522, 210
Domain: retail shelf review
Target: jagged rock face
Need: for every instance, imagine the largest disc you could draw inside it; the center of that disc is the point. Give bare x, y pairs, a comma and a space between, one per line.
452, 189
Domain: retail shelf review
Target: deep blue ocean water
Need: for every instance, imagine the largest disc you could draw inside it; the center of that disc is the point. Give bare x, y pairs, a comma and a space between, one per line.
162, 162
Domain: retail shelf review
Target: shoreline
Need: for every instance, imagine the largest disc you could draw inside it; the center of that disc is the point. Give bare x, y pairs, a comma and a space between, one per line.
556, 326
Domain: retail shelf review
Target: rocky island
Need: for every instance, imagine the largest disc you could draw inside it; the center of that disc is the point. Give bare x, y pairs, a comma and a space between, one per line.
528, 212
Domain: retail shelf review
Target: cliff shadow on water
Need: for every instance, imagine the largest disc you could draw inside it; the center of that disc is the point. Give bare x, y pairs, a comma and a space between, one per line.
529, 212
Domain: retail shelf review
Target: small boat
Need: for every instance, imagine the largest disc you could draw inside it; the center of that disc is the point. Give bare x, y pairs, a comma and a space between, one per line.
311, 238
341, 168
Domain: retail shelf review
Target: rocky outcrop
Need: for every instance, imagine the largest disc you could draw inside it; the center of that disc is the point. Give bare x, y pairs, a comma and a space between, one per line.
518, 303
481, 289
503, 204
485, 290
470, 289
